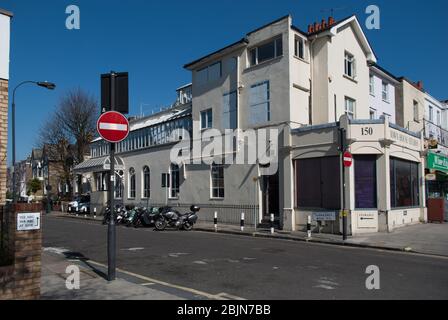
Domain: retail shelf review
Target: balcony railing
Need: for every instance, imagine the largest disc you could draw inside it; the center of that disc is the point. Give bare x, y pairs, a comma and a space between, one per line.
435, 131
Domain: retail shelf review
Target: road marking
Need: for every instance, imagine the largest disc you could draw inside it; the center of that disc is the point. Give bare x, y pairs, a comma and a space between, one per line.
147, 284
133, 249
229, 296
197, 292
177, 255
323, 286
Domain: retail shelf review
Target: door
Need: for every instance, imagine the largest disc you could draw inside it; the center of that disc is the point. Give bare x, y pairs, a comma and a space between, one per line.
270, 198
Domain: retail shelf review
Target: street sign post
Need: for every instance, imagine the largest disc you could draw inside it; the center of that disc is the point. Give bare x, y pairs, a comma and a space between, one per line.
113, 127
348, 159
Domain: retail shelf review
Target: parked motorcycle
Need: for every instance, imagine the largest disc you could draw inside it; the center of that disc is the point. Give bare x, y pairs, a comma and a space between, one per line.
120, 212
145, 217
168, 217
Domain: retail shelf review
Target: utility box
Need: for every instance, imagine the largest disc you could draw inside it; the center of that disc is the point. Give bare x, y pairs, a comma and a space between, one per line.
436, 210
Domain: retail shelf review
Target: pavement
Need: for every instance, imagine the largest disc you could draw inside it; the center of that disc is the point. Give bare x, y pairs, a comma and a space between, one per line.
208, 265
93, 285
426, 238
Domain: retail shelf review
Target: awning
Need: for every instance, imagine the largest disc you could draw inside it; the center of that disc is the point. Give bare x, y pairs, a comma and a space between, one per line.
98, 165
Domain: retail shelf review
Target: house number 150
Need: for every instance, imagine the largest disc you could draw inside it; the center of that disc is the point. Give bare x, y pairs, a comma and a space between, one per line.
367, 131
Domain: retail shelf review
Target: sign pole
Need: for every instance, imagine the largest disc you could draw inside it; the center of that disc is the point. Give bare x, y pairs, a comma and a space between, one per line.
344, 213
111, 230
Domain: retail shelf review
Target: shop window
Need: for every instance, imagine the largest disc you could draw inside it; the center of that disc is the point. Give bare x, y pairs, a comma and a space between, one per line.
318, 183
365, 182
404, 186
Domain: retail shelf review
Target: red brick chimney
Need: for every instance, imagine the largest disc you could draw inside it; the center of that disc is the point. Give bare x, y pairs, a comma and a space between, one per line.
331, 21
324, 24
419, 85
310, 28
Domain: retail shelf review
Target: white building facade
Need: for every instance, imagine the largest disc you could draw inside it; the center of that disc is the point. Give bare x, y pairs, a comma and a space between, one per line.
309, 86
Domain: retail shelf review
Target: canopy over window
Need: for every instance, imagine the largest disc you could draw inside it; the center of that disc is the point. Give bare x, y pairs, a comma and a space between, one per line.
99, 164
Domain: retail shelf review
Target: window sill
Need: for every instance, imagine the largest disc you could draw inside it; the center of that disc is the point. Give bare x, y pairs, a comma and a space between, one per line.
301, 59
386, 101
216, 199
171, 198
350, 78
262, 64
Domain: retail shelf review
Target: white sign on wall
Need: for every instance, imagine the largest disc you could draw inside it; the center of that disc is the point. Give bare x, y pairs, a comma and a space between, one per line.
28, 221
324, 216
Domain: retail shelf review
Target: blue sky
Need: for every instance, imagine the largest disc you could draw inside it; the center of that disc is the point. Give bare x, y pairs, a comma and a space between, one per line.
152, 40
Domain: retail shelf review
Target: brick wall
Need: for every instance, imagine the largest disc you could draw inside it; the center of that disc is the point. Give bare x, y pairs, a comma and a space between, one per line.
21, 280
3, 137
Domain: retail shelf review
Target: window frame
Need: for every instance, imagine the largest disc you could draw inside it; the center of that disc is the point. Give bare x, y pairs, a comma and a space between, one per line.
413, 179
267, 101
220, 177
173, 187
299, 43
132, 183
349, 58
208, 119
385, 92
348, 112
146, 190
372, 85
365, 157
253, 57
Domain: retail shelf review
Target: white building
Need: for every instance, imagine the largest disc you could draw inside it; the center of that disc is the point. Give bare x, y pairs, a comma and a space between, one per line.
382, 86
312, 87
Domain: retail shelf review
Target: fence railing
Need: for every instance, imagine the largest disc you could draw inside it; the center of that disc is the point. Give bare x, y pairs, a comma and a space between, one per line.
227, 214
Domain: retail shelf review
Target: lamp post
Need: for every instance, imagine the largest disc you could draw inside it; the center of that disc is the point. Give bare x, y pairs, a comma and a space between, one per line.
44, 84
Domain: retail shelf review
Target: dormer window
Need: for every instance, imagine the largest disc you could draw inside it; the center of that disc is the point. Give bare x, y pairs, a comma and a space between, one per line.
266, 52
350, 65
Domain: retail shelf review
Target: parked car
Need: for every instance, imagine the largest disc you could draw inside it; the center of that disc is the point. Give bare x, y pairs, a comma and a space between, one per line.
80, 204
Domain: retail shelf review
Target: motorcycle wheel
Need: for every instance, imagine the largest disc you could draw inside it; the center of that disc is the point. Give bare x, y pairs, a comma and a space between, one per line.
187, 226
160, 224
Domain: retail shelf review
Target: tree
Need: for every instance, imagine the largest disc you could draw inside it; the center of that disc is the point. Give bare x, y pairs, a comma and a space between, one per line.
67, 133
34, 185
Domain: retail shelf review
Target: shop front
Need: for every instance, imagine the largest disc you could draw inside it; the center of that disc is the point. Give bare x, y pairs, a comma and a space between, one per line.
383, 189
436, 176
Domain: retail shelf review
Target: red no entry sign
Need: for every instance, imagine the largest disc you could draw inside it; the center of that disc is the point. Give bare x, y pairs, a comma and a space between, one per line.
113, 126
348, 159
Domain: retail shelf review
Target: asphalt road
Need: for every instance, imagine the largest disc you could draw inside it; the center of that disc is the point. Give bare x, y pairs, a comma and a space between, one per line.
255, 268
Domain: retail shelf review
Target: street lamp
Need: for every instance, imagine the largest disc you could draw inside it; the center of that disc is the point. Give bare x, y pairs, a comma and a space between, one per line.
44, 84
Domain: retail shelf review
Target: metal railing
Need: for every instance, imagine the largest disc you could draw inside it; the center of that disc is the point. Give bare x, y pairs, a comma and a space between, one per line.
432, 130
227, 214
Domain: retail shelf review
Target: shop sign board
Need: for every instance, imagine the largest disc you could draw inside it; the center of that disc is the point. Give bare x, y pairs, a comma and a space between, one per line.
437, 162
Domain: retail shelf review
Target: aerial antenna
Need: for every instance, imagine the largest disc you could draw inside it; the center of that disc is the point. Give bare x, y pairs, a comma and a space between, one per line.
332, 10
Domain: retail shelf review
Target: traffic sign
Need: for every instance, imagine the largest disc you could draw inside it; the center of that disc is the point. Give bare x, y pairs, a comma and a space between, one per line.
348, 159
113, 126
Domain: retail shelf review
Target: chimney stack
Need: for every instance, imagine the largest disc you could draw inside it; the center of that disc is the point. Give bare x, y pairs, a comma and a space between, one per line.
420, 85
310, 28
331, 21
324, 24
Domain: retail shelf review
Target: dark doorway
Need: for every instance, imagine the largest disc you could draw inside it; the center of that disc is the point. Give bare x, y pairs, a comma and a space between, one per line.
270, 199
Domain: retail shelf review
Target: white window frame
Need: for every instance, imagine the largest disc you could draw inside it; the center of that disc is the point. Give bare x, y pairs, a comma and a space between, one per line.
212, 186
372, 85
171, 189
439, 118
431, 114
276, 54
350, 113
208, 119
416, 111
385, 91
297, 41
349, 59
374, 112
130, 175
144, 196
